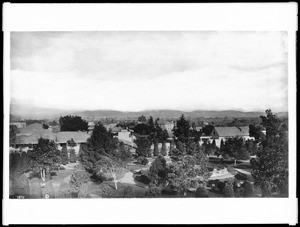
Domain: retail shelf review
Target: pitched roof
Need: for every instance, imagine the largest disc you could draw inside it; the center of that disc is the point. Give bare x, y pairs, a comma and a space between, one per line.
32, 133
34, 137
228, 131
78, 137
244, 130
32, 128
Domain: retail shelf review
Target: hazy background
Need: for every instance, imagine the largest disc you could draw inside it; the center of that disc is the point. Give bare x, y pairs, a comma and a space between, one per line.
133, 71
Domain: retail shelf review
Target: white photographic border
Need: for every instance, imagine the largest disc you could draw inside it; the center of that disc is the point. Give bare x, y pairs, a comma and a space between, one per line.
153, 17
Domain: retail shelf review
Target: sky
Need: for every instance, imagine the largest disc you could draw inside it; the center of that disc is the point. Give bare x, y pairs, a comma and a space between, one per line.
134, 71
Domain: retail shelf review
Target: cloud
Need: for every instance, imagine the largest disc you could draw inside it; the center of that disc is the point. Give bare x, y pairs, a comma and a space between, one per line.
150, 70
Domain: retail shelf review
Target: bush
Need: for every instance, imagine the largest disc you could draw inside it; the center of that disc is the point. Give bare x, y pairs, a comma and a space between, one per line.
239, 192
201, 192
106, 193
248, 189
72, 156
153, 191
228, 190
83, 192
129, 192
266, 189
64, 190
142, 160
20, 186
64, 155
78, 182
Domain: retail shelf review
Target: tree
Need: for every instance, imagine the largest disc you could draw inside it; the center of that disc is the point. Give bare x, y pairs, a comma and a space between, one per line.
254, 131
207, 129
248, 189
183, 172
71, 143
123, 152
72, 156
155, 151
158, 171
142, 129
142, 119
64, 155
235, 147
151, 123
143, 146
228, 189
110, 169
45, 126
73, 123
201, 192
45, 157
101, 141
182, 130
272, 156
163, 149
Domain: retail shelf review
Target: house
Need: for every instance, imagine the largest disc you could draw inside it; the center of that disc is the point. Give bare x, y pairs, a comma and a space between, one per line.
127, 137
110, 126
223, 133
62, 138
19, 124
32, 133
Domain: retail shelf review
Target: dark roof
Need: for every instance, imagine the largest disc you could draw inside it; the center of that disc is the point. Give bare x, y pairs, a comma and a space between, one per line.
32, 133
78, 137
230, 131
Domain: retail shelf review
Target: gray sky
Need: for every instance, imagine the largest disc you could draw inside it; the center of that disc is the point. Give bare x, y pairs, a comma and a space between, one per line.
150, 70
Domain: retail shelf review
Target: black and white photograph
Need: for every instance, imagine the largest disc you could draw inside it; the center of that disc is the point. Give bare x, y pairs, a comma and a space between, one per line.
161, 115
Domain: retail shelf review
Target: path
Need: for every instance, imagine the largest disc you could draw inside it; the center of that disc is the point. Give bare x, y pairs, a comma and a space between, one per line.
128, 178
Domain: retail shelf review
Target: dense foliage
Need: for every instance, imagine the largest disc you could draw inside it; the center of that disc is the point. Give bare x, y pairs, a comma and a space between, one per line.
45, 157
73, 123
143, 146
64, 155
182, 130
101, 143
272, 155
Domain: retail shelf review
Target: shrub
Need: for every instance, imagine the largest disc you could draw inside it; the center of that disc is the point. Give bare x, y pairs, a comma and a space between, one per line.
129, 192
265, 189
83, 192
71, 143
78, 182
64, 190
72, 156
201, 192
228, 190
239, 192
64, 155
248, 189
153, 191
20, 186
106, 193
142, 160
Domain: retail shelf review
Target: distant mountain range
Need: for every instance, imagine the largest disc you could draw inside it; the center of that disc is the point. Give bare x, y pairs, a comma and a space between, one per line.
18, 112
